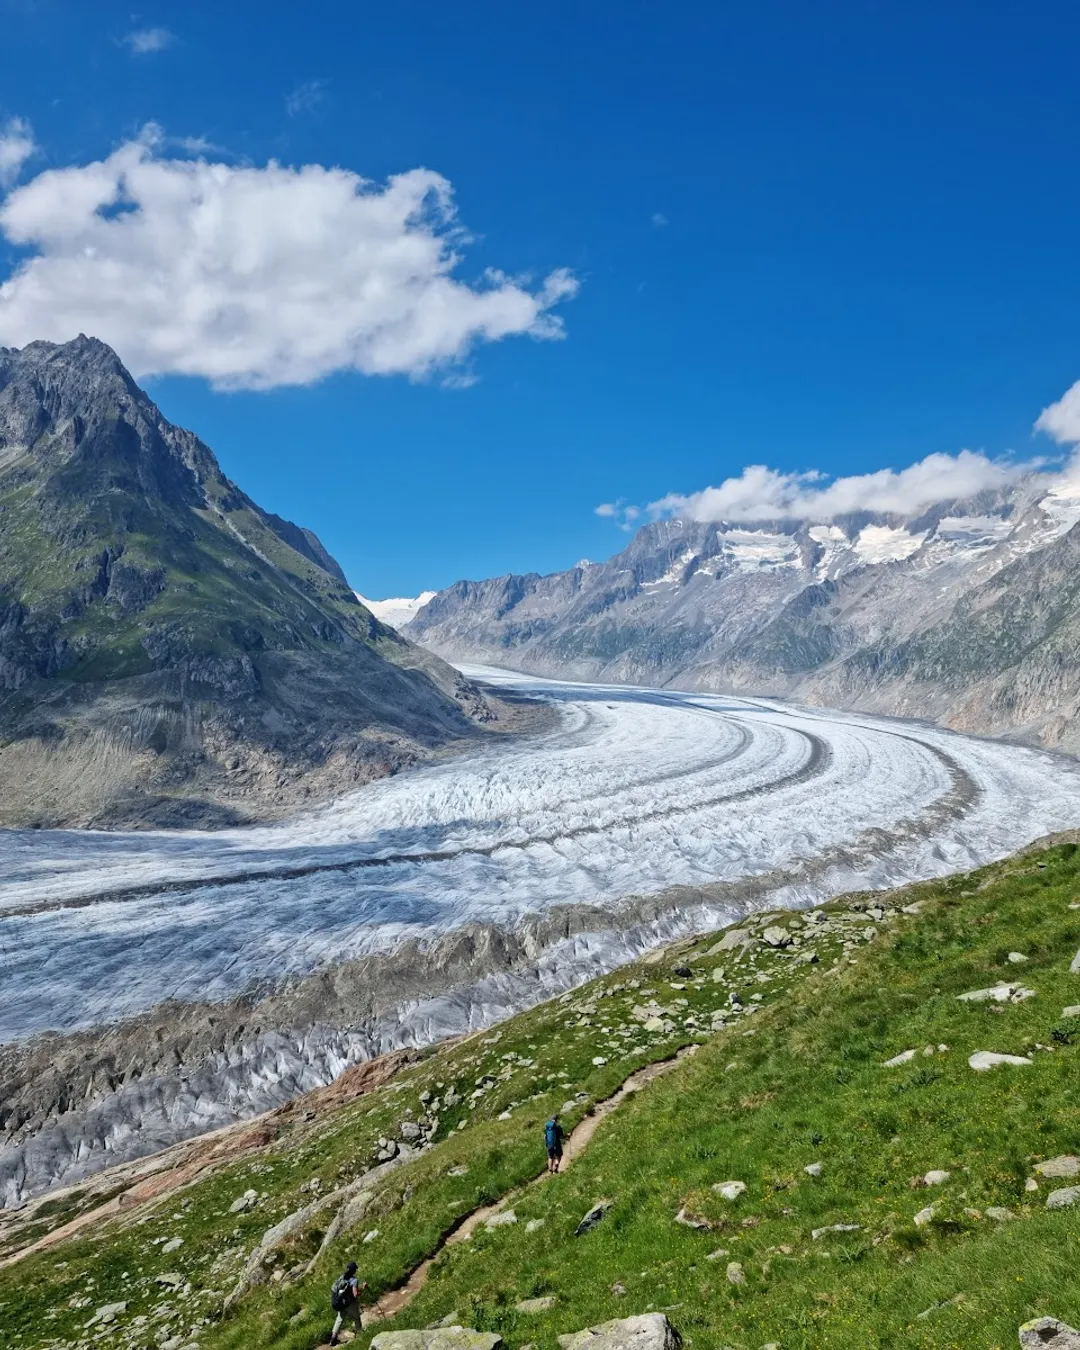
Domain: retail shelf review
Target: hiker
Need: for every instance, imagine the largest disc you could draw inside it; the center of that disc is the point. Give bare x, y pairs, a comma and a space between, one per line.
345, 1300
554, 1134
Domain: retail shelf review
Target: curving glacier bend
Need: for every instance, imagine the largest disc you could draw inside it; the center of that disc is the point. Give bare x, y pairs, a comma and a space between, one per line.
630, 793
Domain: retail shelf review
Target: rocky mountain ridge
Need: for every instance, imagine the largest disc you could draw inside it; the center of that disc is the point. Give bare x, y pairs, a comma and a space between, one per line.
968, 613
169, 652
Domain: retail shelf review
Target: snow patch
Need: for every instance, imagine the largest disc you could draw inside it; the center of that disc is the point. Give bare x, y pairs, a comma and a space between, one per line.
880, 544
399, 611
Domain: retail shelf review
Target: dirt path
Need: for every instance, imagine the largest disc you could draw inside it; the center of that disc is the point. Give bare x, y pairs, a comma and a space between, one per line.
395, 1300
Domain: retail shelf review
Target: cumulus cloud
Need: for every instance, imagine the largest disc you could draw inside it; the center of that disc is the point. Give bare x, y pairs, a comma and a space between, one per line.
1062, 419
256, 276
147, 41
761, 493
16, 146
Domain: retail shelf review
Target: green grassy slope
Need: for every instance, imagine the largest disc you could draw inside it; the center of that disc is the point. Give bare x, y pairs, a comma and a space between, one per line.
801, 1081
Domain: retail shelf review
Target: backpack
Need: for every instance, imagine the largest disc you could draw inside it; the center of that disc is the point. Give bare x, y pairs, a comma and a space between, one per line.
551, 1134
341, 1293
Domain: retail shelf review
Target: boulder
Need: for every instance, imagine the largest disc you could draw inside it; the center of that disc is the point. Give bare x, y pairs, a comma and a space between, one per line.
1064, 1166
924, 1216
107, 1313
1064, 1198
593, 1217
1049, 1334
999, 1214
812, 1169
738, 937
650, 1331
982, 1060
730, 1190
1016, 958
535, 1305
937, 1177
902, 1058
502, 1220
1073, 1010
438, 1338
777, 937
998, 993
735, 1273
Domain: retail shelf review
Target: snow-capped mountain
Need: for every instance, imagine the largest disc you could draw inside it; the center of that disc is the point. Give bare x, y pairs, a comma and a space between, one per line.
398, 612
968, 612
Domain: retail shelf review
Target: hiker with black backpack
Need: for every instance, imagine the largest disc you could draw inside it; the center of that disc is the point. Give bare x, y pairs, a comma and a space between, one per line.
345, 1300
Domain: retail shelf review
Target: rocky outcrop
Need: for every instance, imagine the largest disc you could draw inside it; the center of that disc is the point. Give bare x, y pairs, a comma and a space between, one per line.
650, 1331
969, 613
170, 654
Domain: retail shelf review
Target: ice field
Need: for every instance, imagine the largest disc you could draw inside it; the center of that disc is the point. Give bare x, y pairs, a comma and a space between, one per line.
630, 792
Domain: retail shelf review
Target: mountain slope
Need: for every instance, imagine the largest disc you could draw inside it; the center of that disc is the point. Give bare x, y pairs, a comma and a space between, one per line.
969, 613
170, 653
892, 1195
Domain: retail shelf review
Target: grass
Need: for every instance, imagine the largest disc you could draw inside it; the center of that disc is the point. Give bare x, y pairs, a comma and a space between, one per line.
798, 1082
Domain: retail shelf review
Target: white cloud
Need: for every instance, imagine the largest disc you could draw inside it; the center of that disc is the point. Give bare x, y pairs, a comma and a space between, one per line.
305, 97
16, 147
1062, 419
761, 493
255, 277
147, 41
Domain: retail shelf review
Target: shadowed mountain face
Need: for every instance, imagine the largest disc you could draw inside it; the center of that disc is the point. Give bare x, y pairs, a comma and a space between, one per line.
170, 653
969, 614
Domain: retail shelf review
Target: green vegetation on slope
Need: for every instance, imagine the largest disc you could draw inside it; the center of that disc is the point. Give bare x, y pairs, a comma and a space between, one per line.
800, 1082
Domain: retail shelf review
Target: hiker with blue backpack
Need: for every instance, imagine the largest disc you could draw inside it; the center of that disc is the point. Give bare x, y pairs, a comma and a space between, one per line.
345, 1300
554, 1134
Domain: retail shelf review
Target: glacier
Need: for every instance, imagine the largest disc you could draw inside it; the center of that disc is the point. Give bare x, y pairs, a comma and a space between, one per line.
631, 791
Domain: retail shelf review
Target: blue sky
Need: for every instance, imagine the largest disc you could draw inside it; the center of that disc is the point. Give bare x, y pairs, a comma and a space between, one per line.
837, 237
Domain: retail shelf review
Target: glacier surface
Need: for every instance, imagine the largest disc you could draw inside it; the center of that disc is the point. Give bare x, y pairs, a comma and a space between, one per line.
630, 792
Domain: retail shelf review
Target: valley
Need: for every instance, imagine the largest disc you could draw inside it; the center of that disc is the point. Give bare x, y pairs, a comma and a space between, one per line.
160, 984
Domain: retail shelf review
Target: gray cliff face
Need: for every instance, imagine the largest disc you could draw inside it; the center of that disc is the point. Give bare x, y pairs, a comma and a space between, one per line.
170, 654
969, 613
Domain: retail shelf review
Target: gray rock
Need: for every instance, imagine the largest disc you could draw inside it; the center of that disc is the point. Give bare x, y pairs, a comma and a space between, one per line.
998, 993
936, 1177
173, 1245
595, 1215
730, 1190
1047, 1333
812, 1169
437, 1338
731, 941
777, 937
502, 1220
408, 1129
535, 1305
1016, 958
1075, 966
982, 1060
533, 1225
650, 1331
999, 1214
1064, 1198
1067, 1165
108, 1312
818, 1233
735, 1273
924, 1216
692, 1220
1073, 1010
902, 1058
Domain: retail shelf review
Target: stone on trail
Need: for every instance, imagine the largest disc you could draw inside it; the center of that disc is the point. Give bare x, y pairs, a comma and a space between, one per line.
1064, 1166
902, 1058
982, 1060
730, 1190
1049, 1334
650, 1331
440, 1338
1064, 1198
593, 1217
